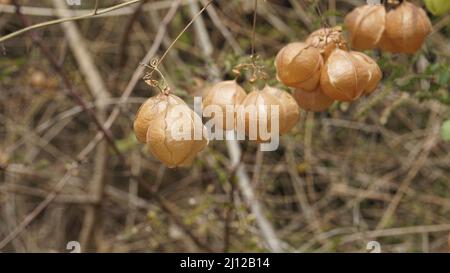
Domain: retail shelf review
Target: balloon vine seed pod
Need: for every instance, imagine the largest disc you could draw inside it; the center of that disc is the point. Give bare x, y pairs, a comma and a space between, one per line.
290, 112
315, 101
174, 134
366, 25
256, 115
327, 40
407, 27
298, 65
344, 77
223, 94
375, 73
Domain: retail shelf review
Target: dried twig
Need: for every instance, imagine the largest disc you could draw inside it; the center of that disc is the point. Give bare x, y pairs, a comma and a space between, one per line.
70, 88
234, 151
92, 144
98, 88
415, 168
62, 20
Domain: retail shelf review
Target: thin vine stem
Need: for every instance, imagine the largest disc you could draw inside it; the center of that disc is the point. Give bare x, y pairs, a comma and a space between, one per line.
254, 29
154, 64
323, 21
183, 31
163, 87
62, 20
256, 69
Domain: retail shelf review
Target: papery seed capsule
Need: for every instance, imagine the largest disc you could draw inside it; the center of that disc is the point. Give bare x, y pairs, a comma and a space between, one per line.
344, 77
173, 132
298, 65
327, 40
407, 26
366, 25
290, 108
257, 113
147, 112
315, 101
222, 94
374, 70
387, 45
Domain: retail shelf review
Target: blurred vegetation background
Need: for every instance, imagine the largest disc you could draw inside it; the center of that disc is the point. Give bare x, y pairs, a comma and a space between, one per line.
376, 169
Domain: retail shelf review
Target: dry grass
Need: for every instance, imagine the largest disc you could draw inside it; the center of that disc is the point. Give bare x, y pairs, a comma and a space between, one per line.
373, 170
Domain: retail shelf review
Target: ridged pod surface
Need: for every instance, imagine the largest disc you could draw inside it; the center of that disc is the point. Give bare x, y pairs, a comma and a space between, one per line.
290, 108
298, 65
315, 101
366, 25
344, 77
174, 134
375, 73
407, 27
222, 94
326, 40
257, 112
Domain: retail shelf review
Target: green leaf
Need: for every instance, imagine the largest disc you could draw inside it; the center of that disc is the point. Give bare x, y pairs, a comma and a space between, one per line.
438, 7
444, 76
445, 130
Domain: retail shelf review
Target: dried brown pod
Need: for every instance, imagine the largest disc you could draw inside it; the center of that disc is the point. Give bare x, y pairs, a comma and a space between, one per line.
344, 77
315, 101
173, 132
327, 40
366, 25
407, 27
375, 73
298, 65
290, 108
152, 107
386, 44
222, 94
256, 112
